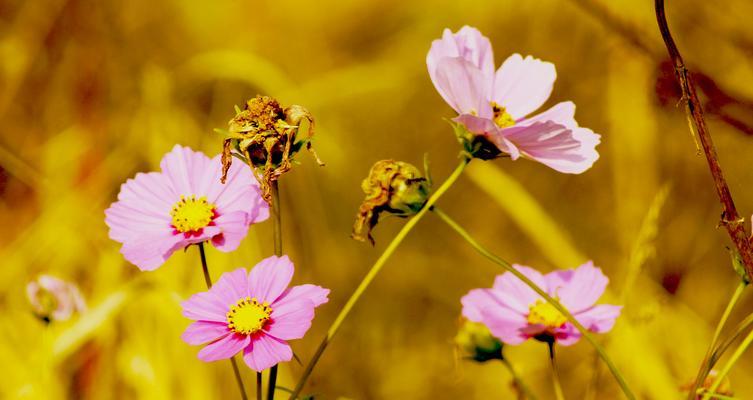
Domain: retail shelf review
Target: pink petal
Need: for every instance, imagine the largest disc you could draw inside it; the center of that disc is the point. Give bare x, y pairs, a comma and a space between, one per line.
567, 334
266, 351
206, 306
315, 294
148, 192
231, 287
233, 228
183, 167
291, 320
577, 289
463, 87
505, 324
522, 85
201, 332
516, 294
149, 252
239, 193
479, 299
571, 151
226, 347
469, 44
562, 113
269, 278
600, 318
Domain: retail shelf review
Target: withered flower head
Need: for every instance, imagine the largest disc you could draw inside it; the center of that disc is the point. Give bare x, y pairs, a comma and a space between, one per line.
264, 135
394, 187
475, 341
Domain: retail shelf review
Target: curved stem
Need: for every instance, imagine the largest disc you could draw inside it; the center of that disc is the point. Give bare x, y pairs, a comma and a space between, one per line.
728, 366
374, 271
504, 264
277, 215
518, 381
208, 280
555, 373
703, 371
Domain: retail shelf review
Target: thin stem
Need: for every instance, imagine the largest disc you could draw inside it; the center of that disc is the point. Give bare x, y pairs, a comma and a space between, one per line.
518, 381
374, 271
728, 366
204, 267
555, 373
208, 280
703, 371
730, 218
277, 216
259, 385
504, 264
722, 348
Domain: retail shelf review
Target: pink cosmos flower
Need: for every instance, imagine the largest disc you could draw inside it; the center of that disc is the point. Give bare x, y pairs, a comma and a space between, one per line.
54, 299
497, 104
255, 312
514, 313
158, 213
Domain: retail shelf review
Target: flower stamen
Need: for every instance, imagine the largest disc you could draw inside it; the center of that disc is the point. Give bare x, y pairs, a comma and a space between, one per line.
502, 118
544, 313
191, 214
248, 316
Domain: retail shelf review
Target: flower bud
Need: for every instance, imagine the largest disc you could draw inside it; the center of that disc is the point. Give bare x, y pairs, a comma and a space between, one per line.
264, 134
475, 341
53, 299
395, 187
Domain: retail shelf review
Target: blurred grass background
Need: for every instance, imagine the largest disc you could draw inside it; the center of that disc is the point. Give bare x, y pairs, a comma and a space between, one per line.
92, 92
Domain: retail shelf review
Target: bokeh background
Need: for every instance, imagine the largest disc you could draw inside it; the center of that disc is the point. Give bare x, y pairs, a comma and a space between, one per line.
92, 92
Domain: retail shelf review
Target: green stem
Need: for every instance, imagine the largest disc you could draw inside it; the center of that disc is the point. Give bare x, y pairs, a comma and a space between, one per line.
208, 280
555, 373
374, 271
518, 381
730, 363
504, 264
277, 216
722, 348
704, 370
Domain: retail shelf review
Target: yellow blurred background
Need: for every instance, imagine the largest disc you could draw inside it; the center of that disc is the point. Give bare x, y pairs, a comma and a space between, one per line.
92, 92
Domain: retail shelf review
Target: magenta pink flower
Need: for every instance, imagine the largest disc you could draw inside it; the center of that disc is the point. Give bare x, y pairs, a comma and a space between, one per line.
514, 313
255, 312
497, 104
158, 213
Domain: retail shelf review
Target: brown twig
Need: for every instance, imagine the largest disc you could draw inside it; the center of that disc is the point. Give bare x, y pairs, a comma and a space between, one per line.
730, 218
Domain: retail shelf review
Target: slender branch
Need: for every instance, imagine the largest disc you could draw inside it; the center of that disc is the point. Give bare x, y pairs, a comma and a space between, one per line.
724, 346
567, 314
730, 218
703, 371
374, 271
208, 280
277, 215
730, 363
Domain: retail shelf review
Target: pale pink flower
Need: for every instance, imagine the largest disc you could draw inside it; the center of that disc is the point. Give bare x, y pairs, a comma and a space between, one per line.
54, 299
255, 312
514, 313
497, 104
158, 213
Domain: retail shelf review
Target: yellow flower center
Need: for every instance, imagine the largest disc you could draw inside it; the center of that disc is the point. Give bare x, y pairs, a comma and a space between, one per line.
543, 313
501, 117
248, 316
191, 214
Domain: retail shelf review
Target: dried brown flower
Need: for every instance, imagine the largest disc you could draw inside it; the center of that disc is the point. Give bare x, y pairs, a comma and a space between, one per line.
264, 135
392, 186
